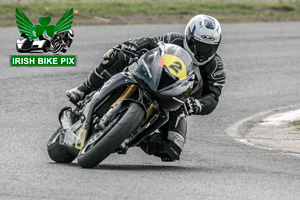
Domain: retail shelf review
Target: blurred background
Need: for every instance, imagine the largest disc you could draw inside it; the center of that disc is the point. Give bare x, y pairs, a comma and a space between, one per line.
123, 12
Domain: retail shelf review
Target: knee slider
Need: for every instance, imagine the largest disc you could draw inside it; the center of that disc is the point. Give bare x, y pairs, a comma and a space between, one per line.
173, 146
95, 81
172, 149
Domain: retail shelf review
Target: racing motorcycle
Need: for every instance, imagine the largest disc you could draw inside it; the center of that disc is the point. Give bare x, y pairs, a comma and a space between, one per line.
130, 106
61, 41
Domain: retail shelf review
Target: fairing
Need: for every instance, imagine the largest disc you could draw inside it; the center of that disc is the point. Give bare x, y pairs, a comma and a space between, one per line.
167, 73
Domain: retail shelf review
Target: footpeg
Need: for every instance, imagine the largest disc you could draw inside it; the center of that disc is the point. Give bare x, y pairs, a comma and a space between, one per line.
123, 148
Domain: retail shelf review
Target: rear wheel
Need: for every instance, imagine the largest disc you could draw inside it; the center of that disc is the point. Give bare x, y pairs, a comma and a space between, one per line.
103, 143
46, 46
57, 152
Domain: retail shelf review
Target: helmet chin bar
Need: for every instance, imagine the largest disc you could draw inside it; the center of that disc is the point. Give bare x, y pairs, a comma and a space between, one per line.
195, 61
200, 59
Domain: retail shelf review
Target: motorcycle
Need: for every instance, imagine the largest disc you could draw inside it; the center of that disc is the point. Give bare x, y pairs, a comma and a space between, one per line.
60, 42
130, 106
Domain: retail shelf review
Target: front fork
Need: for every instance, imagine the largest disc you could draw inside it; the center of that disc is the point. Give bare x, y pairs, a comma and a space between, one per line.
128, 92
117, 104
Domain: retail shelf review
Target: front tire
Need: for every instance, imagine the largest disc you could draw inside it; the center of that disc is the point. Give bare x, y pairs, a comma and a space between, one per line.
57, 47
96, 150
57, 152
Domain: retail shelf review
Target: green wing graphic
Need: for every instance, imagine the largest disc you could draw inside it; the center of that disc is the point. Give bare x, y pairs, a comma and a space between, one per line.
65, 23
25, 25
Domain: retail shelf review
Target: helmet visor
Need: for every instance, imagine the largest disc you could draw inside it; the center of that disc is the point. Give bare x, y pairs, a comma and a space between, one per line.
71, 33
202, 51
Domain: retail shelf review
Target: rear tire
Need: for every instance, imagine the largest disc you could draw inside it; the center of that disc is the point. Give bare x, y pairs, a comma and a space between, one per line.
46, 46
94, 153
57, 152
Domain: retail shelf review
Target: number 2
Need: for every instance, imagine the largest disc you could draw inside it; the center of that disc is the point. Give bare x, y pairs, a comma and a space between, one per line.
177, 67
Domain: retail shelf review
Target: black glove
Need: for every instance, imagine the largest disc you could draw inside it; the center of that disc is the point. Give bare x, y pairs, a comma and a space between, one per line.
131, 46
138, 45
193, 106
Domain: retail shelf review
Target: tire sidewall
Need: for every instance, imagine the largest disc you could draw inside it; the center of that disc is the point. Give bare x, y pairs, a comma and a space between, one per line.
129, 123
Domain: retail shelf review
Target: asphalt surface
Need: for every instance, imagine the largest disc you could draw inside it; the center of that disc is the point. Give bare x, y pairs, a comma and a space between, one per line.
262, 63
276, 131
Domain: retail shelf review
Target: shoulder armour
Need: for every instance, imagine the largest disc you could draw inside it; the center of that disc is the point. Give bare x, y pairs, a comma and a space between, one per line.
216, 68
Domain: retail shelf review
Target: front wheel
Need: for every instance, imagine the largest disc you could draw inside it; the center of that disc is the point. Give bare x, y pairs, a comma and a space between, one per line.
102, 144
57, 47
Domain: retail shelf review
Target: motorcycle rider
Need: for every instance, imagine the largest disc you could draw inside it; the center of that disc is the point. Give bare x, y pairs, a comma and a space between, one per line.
201, 40
65, 37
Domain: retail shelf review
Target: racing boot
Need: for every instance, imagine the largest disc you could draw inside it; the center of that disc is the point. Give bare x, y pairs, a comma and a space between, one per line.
94, 82
78, 93
152, 144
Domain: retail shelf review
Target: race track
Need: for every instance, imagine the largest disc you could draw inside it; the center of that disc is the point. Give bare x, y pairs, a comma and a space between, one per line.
262, 63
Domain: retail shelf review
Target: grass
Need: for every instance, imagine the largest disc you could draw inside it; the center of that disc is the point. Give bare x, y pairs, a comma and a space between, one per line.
91, 13
297, 124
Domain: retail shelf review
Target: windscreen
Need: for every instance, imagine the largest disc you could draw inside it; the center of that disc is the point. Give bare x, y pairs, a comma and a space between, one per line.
146, 69
163, 66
